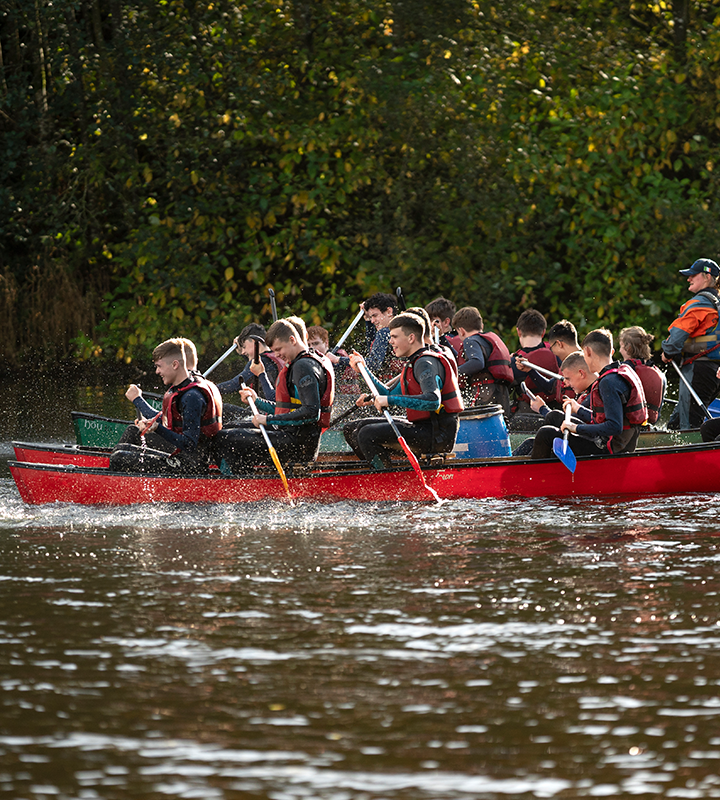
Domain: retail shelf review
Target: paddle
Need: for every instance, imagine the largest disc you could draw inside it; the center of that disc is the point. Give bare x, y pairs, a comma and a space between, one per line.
256, 360
692, 391
527, 391
400, 298
401, 439
348, 331
220, 360
342, 417
271, 449
560, 446
273, 307
541, 369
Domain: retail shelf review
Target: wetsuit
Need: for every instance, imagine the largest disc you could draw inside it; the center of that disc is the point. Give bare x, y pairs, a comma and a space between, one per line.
295, 435
435, 387
190, 447
484, 367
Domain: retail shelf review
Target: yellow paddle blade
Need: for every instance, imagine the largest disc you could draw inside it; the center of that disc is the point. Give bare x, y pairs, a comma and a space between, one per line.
281, 471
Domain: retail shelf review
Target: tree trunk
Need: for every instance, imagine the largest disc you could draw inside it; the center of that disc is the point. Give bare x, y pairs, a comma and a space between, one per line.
681, 23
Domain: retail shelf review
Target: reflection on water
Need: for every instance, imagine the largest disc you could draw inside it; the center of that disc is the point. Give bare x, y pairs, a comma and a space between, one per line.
485, 649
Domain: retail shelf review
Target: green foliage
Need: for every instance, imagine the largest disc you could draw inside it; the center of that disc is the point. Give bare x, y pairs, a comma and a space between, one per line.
178, 159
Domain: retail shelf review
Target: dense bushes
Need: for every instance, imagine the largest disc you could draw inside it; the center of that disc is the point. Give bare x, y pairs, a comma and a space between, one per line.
162, 164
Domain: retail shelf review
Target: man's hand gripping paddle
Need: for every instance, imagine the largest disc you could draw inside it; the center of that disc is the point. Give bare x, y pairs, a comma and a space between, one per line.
412, 458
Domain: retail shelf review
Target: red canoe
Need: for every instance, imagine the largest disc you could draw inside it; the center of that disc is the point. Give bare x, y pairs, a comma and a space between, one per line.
35, 453
664, 470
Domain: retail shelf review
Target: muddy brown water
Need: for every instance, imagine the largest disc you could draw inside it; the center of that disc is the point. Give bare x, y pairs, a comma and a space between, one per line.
484, 649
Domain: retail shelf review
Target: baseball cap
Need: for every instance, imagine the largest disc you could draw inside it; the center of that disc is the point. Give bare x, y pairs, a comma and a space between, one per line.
702, 265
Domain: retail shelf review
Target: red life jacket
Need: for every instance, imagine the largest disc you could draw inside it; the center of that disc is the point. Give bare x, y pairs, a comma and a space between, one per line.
543, 357
211, 421
497, 365
455, 342
450, 393
285, 403
634, 411
448, 352
653, 386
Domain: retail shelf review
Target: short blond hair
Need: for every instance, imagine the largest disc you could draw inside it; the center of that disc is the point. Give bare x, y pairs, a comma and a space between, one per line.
173, 349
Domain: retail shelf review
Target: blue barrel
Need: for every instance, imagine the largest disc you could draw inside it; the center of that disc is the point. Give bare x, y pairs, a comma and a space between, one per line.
482, 434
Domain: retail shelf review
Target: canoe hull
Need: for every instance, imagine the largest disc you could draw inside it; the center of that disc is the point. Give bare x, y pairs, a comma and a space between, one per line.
34, 453
674, 470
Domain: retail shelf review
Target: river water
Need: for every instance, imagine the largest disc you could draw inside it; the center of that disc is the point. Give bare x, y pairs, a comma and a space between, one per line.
483, 649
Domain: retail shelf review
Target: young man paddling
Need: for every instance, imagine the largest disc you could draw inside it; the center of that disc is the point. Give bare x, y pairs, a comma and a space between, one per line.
617, 406
304, 396
533, 351
252, 336
428, 391
561, 342
577, 380
191, 416
379, 310
483, 361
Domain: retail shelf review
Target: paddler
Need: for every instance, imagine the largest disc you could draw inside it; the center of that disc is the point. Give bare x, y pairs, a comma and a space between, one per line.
533, 351
617, 406
694, 343
379, 309
561, 340
304, 396
191, 415
577, 380
248, 342
427, 391
634, 343
483, 361
441, 312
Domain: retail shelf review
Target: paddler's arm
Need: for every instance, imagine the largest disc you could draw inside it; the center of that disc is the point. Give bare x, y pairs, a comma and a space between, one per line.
381, 387
673, 345
474, 357
266, 386
613, 391
542, 384
379, 349
266, 406
233, 385
144, 408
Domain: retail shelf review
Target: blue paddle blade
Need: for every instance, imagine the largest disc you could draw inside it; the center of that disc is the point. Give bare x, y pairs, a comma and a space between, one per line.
564, 453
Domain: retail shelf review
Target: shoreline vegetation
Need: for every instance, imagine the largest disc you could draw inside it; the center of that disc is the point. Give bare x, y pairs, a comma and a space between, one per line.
162, 165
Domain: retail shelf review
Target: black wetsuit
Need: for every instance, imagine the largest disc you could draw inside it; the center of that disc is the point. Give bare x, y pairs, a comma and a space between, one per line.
374, 437
295, 435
